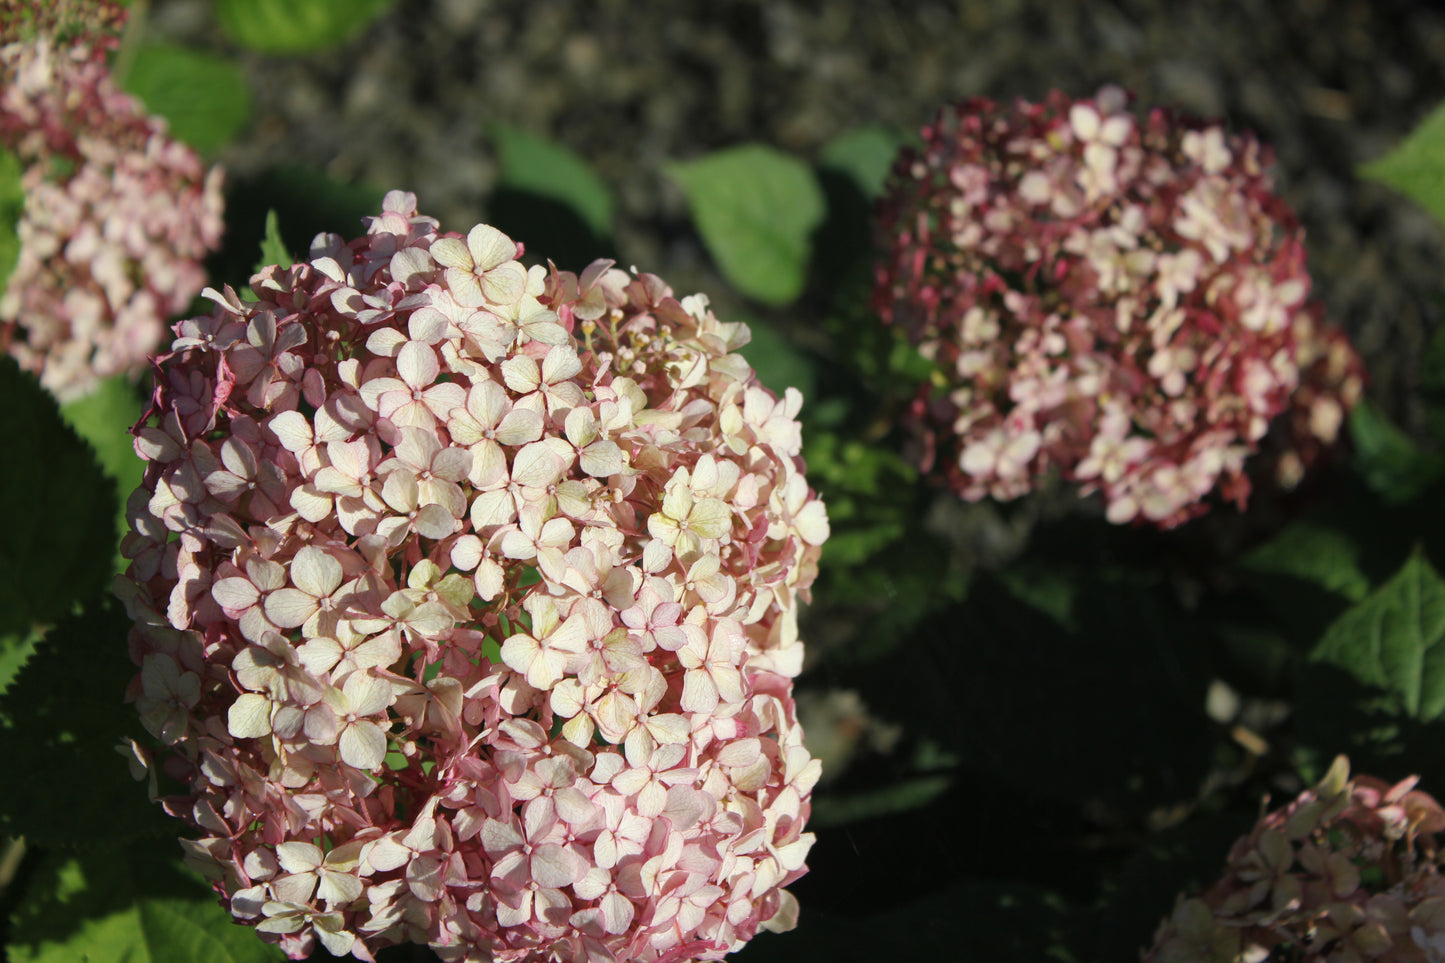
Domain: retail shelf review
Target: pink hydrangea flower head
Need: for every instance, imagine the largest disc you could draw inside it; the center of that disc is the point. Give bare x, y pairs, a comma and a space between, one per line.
1348, 871
466, 606
118, 217
1118, 301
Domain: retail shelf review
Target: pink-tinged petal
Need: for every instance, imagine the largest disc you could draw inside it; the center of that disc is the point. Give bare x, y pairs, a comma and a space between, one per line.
699, 692
363, 745
386, 342
249, 716
453, 464
521, 374
409, 262
617, 913
505, 283
556, 866
289, 608
728, 681
435, 522
367, 694
593, 883
296, 857
519, 651
537, 466
489, 247
400, 491
546, 669
417, 364
387, 854
812, 523
444, 398
465, 287
372, 391
315, 571
235, 593
561, 363
424, 877
493, 508
489, 465
602, 459
521, 425
452, 252
292, 430
710, 518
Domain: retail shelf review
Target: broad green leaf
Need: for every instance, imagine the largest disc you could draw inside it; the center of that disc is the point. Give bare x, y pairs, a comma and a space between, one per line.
1416, 167
273, 248
203, 96
865, 154
1391, 463
756, 208
296, 26
12, 205
898, 797
14, 650
57, 545
537, 165
136, 906
104, 419
1323, 556
1392, 641
63, 717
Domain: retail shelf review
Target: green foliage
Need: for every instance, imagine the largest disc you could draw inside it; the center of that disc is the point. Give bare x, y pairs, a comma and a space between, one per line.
1392, 641
865, 154
14, 650
63, 716
1388, 460
778, 364
104, 419
12, 205
755, 208
204, 97
1314, 553
273, 248
56, 549
296, 26
132, 906
545, 168
1415, 167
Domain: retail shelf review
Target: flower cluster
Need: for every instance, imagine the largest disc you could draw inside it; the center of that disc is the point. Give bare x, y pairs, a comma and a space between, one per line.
465, 601
1121, 302
117, 216
1347, 872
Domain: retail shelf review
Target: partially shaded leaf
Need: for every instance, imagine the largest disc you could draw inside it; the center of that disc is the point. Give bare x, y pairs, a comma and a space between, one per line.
1315, 553
545, 168
296, 26
204, 97
57, 544
865, 154
136, 906
273, 248
1392, 464
12, 205
1392, 641
104, 419
756, 208
1416, 167
778, 364
60, 721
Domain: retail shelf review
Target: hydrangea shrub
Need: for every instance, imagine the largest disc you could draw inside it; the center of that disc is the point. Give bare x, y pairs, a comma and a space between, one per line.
118, 217
1120, 302
465, 602
1347, 872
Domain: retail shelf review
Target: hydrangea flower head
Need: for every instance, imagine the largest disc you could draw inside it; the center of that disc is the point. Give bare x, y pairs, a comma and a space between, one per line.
466, 605
118, 217
1121, 302
1347, 872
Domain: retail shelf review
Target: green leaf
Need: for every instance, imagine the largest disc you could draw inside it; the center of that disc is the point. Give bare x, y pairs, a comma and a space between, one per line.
537, 165
1315, 553
14, 650
57, 546
137, 906
864, 154
63, 717
1391, 641
12, 206
756, 208
273, 248
1391, 463
204, 97
104, 419
296, 26
1416, 167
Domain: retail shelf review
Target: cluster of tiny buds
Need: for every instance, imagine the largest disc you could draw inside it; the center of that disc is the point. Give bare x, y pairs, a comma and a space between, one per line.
1348, 872
118, 217
466, 605
1122, 303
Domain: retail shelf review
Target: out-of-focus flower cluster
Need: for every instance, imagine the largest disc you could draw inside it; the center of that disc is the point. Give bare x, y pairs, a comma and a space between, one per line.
466, 602
118, 217
1346, 873
1123, 303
